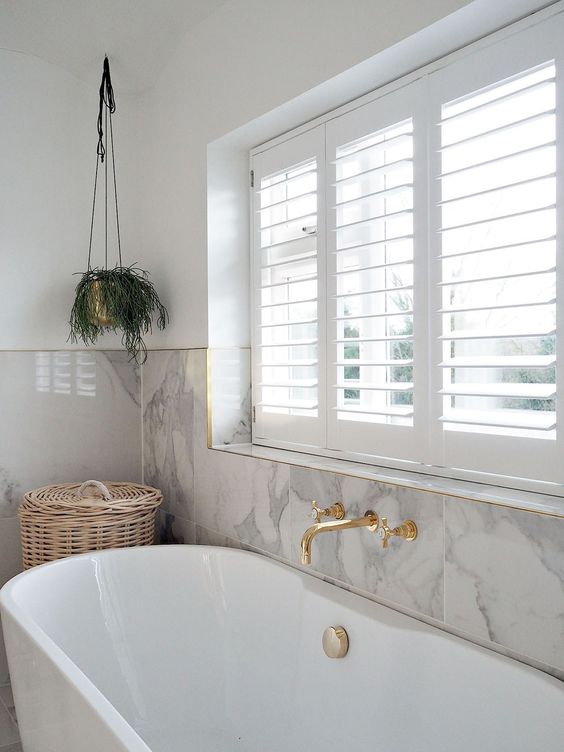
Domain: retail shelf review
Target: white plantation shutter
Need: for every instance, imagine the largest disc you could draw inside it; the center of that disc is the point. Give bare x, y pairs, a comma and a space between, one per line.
497, 266
408, 270
499, 256
373, 303
287, 348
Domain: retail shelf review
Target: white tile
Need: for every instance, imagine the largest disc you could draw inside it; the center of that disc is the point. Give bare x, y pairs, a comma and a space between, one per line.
168, 419
504, 578
245, 499
66, 417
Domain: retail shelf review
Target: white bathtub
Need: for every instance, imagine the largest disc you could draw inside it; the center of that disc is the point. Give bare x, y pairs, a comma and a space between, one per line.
198, 649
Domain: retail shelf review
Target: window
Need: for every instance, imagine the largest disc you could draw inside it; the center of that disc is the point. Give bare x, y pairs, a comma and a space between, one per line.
406, 270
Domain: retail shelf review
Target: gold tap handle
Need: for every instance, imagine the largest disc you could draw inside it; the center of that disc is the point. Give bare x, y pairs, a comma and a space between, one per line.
407, 530
336, 511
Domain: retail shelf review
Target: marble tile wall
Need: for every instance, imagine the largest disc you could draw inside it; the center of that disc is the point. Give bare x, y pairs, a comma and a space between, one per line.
230, 385
489, 573
66, 416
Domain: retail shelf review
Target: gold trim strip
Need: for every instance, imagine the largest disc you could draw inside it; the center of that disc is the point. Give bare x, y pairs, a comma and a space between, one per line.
209, 396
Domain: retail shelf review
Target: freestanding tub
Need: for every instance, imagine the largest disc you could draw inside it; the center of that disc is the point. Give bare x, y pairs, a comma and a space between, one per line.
199, 649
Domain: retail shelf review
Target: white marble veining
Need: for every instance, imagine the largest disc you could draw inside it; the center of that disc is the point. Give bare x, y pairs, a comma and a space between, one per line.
66, 416
409, 574
512, 498
246, 499
198, 374
504, 578
230, 371
168, 429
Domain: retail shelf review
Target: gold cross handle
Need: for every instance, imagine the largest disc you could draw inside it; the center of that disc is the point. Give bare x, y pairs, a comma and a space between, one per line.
407, 530
336, 511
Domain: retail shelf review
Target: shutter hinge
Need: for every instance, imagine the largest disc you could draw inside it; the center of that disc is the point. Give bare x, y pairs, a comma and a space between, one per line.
252, 178
254, 414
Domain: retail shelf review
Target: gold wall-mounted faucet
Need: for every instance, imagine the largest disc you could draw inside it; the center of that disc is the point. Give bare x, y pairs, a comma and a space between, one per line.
370, 520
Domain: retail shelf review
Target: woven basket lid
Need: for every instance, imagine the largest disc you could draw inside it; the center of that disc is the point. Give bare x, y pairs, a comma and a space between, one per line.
91, 497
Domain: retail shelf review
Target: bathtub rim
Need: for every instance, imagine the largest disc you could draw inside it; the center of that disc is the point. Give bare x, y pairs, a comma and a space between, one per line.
117, 724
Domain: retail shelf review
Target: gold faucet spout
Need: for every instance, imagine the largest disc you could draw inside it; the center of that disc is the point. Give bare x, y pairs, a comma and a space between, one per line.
370, 520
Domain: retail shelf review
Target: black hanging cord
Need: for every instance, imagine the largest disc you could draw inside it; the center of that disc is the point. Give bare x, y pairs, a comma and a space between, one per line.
106, 194
106, 98
92, 216
107, 107
115, 188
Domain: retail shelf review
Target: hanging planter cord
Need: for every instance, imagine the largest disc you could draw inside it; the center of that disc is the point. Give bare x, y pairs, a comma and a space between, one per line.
107, 106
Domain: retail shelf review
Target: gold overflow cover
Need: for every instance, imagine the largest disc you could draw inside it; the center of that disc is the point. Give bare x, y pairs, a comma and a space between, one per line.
335, 642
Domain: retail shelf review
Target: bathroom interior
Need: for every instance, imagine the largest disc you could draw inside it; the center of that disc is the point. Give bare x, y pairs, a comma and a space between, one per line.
342, 221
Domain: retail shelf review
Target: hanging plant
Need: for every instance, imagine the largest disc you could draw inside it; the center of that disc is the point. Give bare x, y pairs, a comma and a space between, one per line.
119, 298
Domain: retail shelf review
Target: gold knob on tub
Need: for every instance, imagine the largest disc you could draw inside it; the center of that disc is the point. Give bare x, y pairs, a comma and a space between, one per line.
335, 642
407, 530
336, 511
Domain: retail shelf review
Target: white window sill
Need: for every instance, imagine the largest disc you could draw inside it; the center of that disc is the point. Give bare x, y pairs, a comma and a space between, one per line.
489, 494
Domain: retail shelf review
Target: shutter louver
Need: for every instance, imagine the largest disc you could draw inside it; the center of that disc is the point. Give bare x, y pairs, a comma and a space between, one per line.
373, 270
498, 258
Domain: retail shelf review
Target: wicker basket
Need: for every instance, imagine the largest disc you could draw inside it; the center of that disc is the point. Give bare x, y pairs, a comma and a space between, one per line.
61, 520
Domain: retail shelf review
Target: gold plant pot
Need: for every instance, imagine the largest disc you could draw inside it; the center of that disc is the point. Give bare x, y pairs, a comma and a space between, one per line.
98, 310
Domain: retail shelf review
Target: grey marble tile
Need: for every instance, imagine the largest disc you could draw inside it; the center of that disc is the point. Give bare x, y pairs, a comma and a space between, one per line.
205, 537
198, 376
10, 565
230, 375
245, 499
546, 503
120, 365
66, 416
168, 429
172, 529
504, 578
10, 549
409, 574
8, 729
7, 699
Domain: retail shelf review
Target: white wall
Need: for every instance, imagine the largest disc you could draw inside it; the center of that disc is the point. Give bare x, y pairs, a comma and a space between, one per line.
48, 147
248, 58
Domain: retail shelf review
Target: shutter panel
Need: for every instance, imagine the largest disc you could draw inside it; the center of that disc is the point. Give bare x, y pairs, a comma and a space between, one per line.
371, 255
287, 258
497, 257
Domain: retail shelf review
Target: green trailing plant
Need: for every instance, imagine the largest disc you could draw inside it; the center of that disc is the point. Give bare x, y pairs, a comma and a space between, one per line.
123, 299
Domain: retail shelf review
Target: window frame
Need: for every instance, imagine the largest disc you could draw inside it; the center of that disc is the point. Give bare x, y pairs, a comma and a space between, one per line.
435, 457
